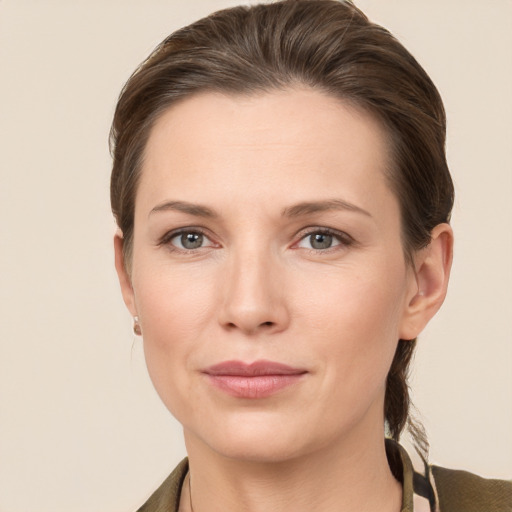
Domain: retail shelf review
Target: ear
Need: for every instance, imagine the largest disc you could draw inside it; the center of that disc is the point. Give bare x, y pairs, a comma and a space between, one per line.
432, 267
124, 278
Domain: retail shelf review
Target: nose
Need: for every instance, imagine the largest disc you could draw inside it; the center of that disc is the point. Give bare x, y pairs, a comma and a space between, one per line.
253, 296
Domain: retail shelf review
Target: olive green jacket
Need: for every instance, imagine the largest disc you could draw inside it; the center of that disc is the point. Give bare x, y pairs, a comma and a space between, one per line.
444, 490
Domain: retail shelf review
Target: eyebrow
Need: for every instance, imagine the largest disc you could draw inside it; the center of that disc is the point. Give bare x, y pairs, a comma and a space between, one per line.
308, 208
297, 210
182, 206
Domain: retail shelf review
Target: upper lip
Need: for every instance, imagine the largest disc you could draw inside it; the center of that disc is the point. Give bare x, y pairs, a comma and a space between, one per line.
257, 368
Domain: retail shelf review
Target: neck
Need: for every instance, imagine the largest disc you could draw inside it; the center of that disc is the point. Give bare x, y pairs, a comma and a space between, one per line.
350, 476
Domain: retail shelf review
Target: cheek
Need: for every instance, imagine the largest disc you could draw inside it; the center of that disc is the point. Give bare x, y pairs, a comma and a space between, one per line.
355, 301
175, 313
356, 324
173, 303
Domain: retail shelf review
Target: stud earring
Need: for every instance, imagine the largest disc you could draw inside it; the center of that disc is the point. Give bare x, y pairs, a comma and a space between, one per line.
136, 326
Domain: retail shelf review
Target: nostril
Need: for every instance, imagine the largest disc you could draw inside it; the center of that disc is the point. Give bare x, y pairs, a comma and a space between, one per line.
264, 326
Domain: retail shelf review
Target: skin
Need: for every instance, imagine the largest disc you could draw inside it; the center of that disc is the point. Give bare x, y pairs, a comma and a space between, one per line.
258, 288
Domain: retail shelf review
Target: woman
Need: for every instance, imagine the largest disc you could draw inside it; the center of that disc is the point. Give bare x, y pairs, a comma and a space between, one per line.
283, 200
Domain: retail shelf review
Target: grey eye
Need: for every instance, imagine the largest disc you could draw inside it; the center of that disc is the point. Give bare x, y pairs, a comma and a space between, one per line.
190, 240
320, 240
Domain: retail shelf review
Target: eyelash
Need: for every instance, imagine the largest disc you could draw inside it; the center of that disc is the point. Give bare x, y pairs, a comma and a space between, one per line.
168, 237
344, 240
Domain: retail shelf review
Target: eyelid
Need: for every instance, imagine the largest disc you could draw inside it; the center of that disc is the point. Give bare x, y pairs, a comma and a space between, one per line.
345, 240
173, 233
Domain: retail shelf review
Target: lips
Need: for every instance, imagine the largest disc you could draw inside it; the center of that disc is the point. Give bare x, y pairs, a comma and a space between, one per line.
256, 380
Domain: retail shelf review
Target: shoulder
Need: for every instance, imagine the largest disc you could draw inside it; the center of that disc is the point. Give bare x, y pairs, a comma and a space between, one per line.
430, 487
460, 491
167, 497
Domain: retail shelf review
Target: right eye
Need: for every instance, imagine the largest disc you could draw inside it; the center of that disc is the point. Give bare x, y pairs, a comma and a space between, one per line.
190, 240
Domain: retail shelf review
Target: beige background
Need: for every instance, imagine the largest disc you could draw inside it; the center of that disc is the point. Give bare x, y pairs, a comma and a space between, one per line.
80, 427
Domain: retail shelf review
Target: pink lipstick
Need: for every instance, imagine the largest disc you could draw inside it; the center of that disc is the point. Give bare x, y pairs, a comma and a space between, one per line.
260, 379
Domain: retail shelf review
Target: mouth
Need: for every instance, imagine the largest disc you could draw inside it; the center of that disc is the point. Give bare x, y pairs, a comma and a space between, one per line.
260, 379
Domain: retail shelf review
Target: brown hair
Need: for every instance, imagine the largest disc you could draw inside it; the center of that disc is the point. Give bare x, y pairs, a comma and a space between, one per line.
324, 44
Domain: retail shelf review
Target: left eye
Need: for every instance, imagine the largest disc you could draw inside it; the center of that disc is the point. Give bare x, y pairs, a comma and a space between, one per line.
319, 241
189, 240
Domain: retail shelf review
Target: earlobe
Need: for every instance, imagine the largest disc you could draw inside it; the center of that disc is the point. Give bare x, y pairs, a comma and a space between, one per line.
432, 267
122, 273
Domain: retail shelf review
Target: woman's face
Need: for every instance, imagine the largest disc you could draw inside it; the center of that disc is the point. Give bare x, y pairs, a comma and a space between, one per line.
265, 232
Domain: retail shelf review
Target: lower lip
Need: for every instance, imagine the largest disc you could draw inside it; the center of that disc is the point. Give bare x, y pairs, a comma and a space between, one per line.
260, 386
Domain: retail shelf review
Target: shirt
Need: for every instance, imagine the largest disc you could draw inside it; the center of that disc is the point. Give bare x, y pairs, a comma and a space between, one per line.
425, 489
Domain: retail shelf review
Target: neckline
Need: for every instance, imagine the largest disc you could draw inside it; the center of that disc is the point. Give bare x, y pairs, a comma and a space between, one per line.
398, 458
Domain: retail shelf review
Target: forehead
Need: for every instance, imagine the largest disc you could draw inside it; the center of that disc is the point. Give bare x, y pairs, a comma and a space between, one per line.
210, 145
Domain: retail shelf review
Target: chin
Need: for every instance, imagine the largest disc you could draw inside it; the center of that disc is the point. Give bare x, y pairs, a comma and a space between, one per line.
259, 448
258, 438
